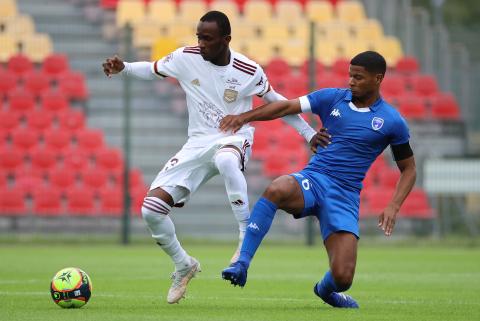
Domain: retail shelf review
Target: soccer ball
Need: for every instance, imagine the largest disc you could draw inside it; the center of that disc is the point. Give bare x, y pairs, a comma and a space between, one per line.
71, 288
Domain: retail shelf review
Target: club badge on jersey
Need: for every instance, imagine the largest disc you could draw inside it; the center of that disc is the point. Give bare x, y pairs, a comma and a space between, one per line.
230, 95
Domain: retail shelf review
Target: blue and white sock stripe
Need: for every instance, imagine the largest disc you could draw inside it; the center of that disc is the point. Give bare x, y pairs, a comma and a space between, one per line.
156, 205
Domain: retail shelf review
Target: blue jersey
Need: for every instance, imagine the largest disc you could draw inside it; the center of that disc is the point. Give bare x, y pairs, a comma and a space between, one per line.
359, 135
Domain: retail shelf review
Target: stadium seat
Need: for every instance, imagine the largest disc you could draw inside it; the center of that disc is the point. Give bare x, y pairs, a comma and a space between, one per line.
26, 170
62, 177
8, 8
43, 158
368, 30
319, 67
378, 198
135, 176
8, 81
80, 201
75, 158
54, 101
417, 205
90, 140
407, 65
37, 47
111, 202
145, 32
297, 86
277, 67
39, 120
3, 178
20, 100
9, 120
319, 11
94, 177
191, 10
162, 47
25, 138
161, 10
425, 85
20, 25
390, 47
350, 11
12, 202
73, 85
8, 47
341, 67
47, 201
11, 158
388, 177
110, 159
28, 184
257, 11
444, 106
393, 87
274, 30
137, 195
227, 7
20, 64
293, 51
412, 107
288, 11
36, 82
71, 120
331, 80
55, 64
109, 4
326, 52
57, 139
129, 11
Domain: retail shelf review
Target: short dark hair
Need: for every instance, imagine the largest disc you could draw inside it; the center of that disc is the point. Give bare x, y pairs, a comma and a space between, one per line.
221, 19
372, 61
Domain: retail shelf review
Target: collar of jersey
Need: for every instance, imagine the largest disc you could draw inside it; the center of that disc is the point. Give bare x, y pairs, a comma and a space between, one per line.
376, 105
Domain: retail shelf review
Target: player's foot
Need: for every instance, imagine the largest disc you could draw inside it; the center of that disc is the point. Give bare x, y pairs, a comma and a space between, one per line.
338, 300
236, 273
180, 280
235, 256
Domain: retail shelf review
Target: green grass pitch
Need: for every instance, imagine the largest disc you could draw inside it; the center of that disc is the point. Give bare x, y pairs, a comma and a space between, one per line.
420, 283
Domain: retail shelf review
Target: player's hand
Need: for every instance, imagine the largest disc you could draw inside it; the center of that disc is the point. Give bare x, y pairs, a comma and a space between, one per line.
112, 66
386, 220
322, 138
231, 122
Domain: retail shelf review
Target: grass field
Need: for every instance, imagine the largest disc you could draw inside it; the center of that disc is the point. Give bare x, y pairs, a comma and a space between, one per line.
130, 283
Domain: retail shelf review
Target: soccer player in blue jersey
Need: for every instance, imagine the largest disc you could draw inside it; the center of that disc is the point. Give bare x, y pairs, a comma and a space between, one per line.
361, 125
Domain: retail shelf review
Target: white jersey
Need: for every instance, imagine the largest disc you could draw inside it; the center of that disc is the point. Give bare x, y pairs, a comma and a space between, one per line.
213, 91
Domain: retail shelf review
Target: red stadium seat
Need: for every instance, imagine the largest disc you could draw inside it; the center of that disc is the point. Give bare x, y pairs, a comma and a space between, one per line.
412, 107
47, 201
9, 120
425, 85
388, 177
43, 158
110, 159
262, 143
20, 64
39, 120
319, 68
12, 202
57, 139
393, 87
36, 82
54, 101
8, 81
90, 140
109, 4
73, 85
20, 101
445, 107
94, 177
55, 64
29, 184
377, 166
28, 171
341, 67
80, 201
331, 80
111, 202
297, 86
25, 138
277, 67
138, 194
75, 158
136, 178
378, 198
71, 120
407, 65
417, 205
62, 177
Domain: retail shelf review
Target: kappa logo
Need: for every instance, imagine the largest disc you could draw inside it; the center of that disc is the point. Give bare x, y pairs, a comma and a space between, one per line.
253, 226
336, 113
195, 82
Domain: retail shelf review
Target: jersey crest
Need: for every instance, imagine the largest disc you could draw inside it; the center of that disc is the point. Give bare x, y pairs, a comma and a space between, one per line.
230, 95
377, 123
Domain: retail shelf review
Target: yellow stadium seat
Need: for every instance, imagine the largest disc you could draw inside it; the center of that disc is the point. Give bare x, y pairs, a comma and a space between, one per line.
227, 7
354, 47
369, 30
183, 29
130, 11
333, 30
319, 11
257, 11
146, 32
192, 10
293, 51
290, 11
162, 47
261, 51
350, 11
242, 29
275, 30
37, 46
20, 25
8, 47
8, 8
390, 48
162, 11
326, 52
187, 41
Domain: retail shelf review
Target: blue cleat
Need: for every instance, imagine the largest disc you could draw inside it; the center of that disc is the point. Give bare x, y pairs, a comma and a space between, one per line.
338, 300
236, 273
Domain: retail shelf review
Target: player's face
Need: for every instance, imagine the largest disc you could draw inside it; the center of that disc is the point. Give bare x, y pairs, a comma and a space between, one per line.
213, 46
363, 83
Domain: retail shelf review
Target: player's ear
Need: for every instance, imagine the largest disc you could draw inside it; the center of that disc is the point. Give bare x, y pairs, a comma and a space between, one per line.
378, 78
227, 39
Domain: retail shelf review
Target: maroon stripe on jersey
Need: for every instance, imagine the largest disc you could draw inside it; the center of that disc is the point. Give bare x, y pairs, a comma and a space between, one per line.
242, 69
156, 70
192, 47
244, 64
193, 52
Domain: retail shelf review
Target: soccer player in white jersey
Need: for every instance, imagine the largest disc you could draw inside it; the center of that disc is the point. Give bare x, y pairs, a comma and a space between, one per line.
218, 81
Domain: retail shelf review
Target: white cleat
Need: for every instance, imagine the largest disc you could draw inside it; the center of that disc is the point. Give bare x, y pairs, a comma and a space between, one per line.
235, 256
180, 281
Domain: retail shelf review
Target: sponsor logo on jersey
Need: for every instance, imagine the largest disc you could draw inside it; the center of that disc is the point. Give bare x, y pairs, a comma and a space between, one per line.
336, 113
195, 82
234, 82
377, 123
230, 95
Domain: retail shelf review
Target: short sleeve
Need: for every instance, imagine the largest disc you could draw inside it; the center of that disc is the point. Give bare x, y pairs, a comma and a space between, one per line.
169, 66
321, 101
400, 133
259, 84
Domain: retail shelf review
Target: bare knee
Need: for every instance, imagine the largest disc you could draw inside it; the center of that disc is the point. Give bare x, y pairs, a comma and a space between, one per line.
343, 275
279, 190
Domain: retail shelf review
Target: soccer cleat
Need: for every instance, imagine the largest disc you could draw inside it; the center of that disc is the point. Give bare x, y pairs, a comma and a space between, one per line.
180, 281
235, 256
236, 273
338, 300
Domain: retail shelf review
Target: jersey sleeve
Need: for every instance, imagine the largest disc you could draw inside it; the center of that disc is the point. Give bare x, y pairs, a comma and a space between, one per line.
259, 84
400, 133
319, 102
169, 66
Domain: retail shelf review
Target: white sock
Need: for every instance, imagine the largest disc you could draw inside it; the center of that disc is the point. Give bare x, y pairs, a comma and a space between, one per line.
155, 213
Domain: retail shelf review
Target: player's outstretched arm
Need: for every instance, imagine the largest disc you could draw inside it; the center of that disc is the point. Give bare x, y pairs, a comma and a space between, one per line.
405, 184
113, 65
269, 111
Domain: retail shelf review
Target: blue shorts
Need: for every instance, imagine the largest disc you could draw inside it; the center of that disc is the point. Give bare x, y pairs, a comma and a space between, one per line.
335, 206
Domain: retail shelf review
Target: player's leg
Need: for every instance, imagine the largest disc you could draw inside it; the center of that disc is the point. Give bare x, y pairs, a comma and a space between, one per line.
228, 161
283, 193
155, 209
342, 253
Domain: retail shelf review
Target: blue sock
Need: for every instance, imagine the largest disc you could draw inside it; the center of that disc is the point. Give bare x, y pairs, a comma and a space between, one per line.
258, 226
326, 286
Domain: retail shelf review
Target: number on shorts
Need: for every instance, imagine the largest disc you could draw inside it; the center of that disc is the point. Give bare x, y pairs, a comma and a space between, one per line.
306, 184
172, 162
